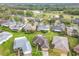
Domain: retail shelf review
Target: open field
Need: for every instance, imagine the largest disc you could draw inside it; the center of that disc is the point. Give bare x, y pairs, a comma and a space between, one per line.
65, 16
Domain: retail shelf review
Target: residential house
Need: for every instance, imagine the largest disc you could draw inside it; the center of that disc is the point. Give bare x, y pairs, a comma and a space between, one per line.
43, 27
76, 21
56, 16
17, 27
42, 42
76, 49
29, 27
38, 19
58, 28
72, 31
24, 19
4, 36
2, 21
61, 45
22, 46
9, 23
57, 22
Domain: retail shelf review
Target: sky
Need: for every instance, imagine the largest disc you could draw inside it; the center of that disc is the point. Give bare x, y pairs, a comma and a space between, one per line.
39, 1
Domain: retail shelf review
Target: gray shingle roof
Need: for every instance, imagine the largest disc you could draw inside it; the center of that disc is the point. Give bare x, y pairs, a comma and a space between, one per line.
4, 36
8, 23
43, 27
22, 42
59, 27
76, 21
27, 27
61, 43
17, 27
41, 41
76, 48
2, 21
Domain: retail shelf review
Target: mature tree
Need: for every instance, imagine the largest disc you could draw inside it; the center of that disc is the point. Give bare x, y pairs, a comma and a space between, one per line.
29, 13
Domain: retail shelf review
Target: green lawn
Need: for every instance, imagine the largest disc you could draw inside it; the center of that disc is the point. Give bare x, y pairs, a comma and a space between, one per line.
6, 49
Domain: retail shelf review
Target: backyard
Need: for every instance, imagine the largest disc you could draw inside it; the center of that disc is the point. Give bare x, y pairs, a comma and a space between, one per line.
6, 49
